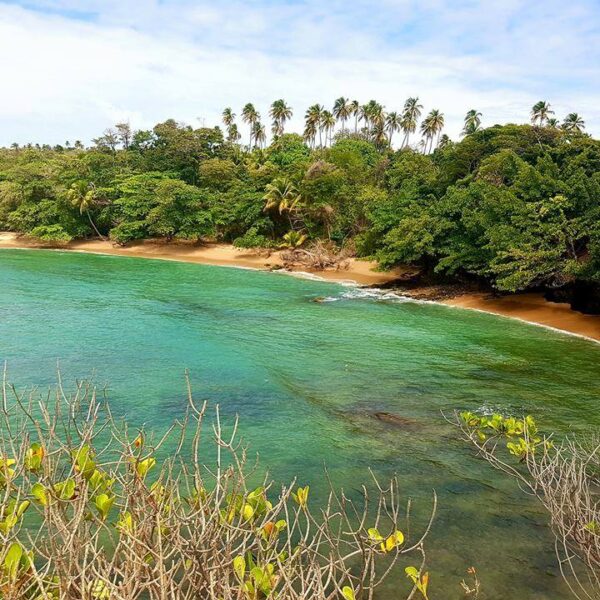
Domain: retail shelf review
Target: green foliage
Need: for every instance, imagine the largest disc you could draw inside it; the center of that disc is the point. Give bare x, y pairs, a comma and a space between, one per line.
522, 435
252, 239
517, 206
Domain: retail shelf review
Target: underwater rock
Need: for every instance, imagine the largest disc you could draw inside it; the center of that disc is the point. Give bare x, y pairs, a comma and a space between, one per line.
397, 420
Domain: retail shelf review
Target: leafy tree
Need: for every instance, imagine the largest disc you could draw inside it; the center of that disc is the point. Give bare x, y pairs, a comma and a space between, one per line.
179, 211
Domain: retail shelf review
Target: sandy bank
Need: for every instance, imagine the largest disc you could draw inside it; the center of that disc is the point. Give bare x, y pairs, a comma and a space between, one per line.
211, 254
527, 307
533, 308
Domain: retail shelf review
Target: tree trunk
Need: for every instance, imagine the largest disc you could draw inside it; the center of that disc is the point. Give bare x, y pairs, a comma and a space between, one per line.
87, 212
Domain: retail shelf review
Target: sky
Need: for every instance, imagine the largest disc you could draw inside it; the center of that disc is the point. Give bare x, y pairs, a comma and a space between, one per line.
71, 68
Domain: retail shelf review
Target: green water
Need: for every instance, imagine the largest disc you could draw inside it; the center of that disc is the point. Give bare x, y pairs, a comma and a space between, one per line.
306, 377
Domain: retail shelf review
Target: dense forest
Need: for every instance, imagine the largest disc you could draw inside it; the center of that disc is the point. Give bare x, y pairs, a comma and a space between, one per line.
515, 206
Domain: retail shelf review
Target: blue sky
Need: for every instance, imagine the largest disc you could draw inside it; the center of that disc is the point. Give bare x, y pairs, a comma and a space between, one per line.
72, 68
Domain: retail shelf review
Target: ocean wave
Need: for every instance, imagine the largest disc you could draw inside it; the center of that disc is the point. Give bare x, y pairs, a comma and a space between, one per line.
375, 294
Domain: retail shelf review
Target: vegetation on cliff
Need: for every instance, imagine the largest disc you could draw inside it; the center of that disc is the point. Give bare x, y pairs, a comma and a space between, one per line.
515, 205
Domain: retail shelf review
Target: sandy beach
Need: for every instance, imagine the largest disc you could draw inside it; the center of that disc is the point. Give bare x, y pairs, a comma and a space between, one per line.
533, 308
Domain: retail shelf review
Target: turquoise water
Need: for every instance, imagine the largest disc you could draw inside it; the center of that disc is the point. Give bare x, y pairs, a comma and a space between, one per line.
307, 377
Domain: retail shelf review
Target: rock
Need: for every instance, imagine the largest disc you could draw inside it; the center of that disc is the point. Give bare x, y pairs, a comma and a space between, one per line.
583, 296
397, 420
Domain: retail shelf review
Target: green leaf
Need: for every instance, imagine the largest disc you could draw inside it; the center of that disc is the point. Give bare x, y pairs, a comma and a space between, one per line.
348, 592
239, 566
104, 503
12, 560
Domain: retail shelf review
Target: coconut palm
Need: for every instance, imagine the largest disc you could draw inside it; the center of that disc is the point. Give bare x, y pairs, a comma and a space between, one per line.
328, 124
410, 118
393, 123
444, 142
573, 122
259, 134
364, 114
376, 114
379, 134
540, 112
553, 123
372, 114
355, 112
428, 133
437, 121
282, 196
310, 133
251, 116
314, 118
233, 134
83, 196
472, 122
342, 110
228, 117
280, 112
432, 125
293, 239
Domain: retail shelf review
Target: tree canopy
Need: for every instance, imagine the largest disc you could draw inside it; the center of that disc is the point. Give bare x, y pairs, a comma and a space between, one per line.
516, 206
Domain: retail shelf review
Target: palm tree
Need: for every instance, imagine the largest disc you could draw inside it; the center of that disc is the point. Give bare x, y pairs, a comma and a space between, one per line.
427, 133
553, 123
378, 135
314, 120
282, 196
393, 123
573, 122
233, 135
376, 114
293, 239
355, 112
364, 114
83, 196
251, 116
410, 118
328, 124
472, 122
259, 135
444, 142
342, 110
540, 112
228, 117
437, 123
280, 112
372, 114
432, 125
310, 133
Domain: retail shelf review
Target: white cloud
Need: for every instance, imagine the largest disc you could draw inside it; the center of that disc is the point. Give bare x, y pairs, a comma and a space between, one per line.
71, 69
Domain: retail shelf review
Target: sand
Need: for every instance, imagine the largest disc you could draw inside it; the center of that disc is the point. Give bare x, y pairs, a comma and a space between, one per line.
532, 308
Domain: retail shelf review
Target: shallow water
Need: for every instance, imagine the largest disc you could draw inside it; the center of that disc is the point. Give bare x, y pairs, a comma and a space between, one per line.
307, 377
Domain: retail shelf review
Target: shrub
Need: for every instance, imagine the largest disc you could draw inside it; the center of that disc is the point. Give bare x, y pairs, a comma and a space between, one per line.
90, 510
252, 239
564, 477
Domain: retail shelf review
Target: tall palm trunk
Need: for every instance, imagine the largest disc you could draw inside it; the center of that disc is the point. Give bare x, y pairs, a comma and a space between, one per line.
87, 212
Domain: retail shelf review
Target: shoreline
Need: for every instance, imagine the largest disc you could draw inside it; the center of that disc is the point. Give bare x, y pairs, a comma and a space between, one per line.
529, 307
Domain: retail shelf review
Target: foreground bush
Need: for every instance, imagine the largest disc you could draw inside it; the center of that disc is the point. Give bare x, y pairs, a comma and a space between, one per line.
564, 477
88, 510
